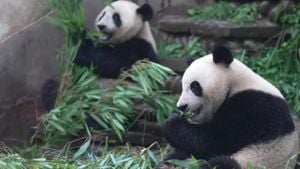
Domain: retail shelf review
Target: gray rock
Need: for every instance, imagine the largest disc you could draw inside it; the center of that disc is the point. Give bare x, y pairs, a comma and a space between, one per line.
219, 29
253, 47
18, 121
287, 7
233, 45
176, 64
175, 24
17, 14
28, 59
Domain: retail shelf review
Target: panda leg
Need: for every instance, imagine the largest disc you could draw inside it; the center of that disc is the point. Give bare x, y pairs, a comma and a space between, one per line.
221, 162
184, 136
49, 93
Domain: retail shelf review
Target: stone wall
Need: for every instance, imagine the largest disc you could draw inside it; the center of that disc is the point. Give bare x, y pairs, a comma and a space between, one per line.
15, 14
29, 46
28, 51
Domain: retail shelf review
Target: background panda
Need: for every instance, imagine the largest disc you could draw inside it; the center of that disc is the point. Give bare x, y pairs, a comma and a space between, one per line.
237, 117
126, 39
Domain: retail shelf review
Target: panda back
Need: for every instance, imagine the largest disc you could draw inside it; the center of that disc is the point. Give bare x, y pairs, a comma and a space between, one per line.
243, 78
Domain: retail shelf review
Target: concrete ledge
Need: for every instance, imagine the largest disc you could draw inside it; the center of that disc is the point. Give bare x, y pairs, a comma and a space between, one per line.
221, 29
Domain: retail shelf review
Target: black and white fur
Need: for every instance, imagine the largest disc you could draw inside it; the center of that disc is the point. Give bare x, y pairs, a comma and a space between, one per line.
237, 117
126, 39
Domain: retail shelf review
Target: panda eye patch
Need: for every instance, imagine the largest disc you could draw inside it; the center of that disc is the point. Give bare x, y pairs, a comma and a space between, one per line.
117, 19
196, 88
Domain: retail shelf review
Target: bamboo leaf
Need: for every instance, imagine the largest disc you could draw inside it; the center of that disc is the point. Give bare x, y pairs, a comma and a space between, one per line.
82, 149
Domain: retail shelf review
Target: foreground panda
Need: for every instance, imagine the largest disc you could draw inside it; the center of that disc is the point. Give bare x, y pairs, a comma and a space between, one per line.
126, 39
237, 117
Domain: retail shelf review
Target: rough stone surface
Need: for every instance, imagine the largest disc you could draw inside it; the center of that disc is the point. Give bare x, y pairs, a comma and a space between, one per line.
16, 14
91, 9
219, 29
265, 7
27, 60
180, 10
177, 64
160, 4
18, 119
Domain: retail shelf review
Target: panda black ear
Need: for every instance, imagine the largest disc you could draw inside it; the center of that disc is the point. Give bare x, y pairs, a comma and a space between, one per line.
145, 11
221, 54
189, 60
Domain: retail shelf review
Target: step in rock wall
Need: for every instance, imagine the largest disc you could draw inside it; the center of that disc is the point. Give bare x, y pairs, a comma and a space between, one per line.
173, 25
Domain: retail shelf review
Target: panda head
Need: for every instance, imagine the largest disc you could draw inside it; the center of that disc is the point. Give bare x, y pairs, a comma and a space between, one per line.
122, 20
205, 85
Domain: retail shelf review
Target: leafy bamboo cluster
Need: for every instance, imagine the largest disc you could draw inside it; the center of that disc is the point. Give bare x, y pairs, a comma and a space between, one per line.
81, 96
70, 18
120, 158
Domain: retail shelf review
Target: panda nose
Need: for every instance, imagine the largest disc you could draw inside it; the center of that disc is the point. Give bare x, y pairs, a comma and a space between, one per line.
183, 107
101, 27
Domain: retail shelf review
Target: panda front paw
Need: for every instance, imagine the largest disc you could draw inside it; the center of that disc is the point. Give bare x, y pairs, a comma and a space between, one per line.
171, 126
174, 119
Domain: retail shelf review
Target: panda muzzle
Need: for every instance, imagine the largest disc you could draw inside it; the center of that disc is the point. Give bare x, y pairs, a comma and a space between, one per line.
106, 36
197, 111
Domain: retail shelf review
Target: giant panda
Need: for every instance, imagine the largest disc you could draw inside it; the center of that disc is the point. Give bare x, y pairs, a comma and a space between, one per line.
126, 38
238, 118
